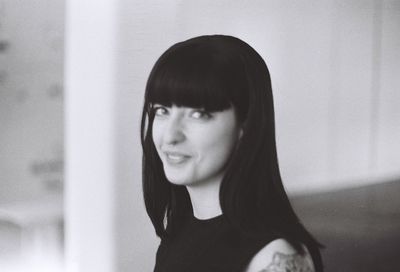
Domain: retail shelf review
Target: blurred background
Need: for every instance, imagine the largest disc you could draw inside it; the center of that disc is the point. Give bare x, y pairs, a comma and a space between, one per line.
72, 78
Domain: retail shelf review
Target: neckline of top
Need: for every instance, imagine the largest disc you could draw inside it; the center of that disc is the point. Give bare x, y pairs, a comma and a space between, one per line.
207, 220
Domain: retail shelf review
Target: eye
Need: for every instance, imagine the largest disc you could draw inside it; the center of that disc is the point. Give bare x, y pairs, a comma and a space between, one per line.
160, 110
201, 114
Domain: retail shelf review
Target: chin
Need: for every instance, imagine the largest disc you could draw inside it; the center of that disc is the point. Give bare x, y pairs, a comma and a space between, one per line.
180, 180
176, 181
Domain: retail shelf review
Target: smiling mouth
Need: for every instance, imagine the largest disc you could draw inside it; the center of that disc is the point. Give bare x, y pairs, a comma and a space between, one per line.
175, 159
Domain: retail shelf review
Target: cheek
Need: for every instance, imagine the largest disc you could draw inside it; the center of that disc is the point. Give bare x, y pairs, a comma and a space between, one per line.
225, 145
156, 134
217, 146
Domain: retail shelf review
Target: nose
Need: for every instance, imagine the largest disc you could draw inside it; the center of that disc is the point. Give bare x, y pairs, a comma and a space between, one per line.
173, 132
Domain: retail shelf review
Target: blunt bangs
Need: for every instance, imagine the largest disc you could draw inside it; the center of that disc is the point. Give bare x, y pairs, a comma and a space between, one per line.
198, 76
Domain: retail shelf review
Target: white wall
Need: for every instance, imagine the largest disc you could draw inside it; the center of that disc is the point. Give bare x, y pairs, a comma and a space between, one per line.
388, 118
91, 136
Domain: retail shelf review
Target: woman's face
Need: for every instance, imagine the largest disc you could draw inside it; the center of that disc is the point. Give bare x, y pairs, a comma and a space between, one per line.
194, 145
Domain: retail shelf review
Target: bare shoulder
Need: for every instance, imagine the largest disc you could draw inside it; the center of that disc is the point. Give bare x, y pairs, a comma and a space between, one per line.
278, 256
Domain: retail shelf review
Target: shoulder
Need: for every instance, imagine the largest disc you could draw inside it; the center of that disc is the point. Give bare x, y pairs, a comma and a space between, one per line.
279, 255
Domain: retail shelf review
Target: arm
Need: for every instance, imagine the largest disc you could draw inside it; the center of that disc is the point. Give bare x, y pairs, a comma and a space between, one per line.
280, 256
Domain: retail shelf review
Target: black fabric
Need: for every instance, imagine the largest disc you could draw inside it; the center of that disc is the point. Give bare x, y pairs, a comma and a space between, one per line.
210, 245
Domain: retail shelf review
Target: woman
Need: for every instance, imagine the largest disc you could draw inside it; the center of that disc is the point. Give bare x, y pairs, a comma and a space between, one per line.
211, 181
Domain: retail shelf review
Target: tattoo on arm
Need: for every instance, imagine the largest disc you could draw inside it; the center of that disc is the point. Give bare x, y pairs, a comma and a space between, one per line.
289, 263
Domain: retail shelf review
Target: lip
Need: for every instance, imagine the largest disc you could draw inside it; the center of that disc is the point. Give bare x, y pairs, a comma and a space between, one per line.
176, 157
175, 152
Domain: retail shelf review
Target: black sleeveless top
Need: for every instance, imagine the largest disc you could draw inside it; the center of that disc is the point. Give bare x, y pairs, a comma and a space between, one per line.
210, 245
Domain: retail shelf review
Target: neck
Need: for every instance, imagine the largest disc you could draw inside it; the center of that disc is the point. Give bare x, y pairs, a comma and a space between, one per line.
205, 200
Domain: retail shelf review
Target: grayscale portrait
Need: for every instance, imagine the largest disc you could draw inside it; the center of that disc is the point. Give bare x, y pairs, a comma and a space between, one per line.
168, 136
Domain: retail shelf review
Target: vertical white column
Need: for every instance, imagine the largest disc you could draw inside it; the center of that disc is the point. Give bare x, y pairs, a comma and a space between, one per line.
90, 135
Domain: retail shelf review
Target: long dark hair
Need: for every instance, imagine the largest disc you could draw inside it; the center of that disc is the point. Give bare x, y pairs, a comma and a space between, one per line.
216, 72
